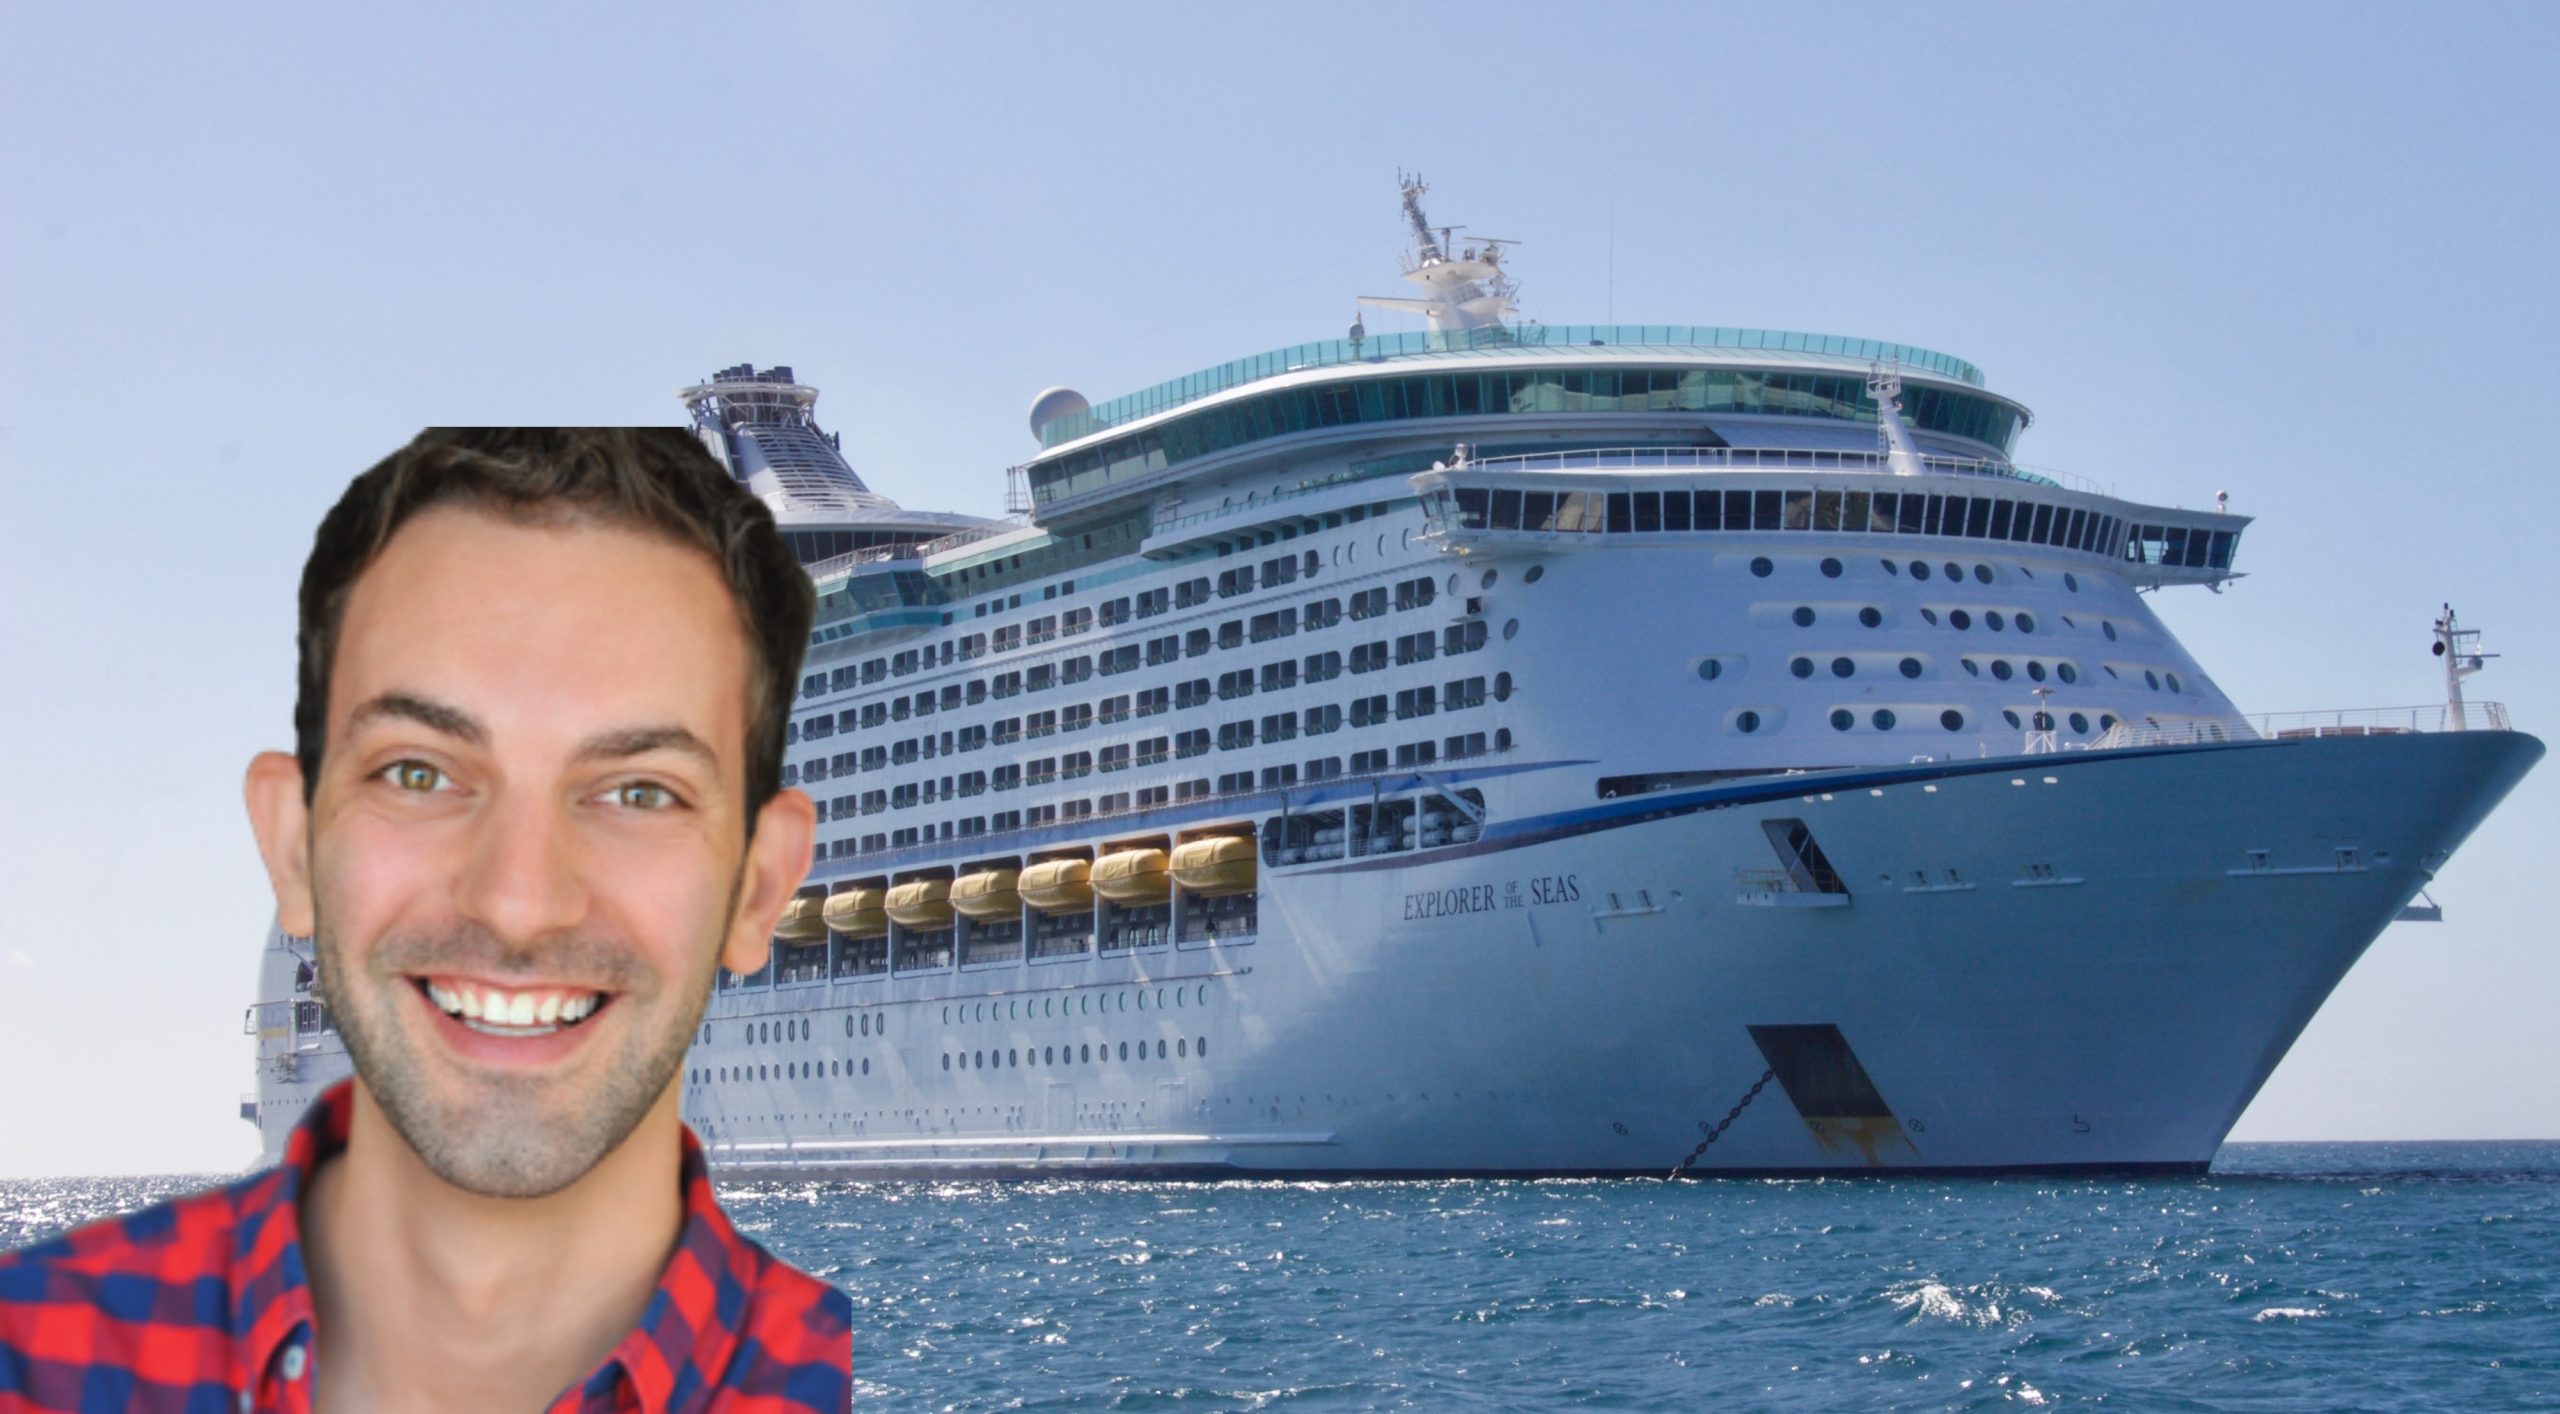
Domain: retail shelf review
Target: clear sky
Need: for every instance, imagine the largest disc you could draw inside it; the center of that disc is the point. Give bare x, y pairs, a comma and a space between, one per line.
2303, 254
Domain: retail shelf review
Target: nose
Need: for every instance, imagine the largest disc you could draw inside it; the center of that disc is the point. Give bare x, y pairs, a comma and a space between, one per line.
522, 881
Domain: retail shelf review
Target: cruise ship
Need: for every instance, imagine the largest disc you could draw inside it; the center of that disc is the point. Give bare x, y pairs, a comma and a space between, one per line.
1516, 749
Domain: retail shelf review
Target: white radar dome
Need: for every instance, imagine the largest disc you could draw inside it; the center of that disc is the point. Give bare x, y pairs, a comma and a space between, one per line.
1054, 404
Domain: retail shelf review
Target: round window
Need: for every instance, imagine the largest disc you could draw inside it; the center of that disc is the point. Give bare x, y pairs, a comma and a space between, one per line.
1510, 629
2044, 721
2173, 683
1951, 719
2071, 581
866, 1026
1871, 616
1959, 619
2106, 721
1489, 577
2151, 678
2066, 672
1919, 569
1955, 571
2035, 671
1911, 667
1982, 573
2009, 716
1991, 620
1830, 568
1502, 687
2000, 669
2080, 723
1929, 615
1883, 718
1804, 616
1842, 667
1533, 574
1801, 667
1842, 719
1746, 721
1890, 567
1710, 669
2026, 623
1761, 567
2108, 629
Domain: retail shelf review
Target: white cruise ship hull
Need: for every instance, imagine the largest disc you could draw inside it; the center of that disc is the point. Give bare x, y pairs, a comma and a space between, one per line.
2072, 961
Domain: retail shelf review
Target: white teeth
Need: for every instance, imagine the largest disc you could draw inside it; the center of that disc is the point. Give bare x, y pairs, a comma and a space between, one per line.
549, 1011
519, 1010
451, 1005
471, 1004
578, 1008
503, 1013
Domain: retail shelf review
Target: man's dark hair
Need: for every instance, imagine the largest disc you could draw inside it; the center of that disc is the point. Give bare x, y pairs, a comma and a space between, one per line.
657, 480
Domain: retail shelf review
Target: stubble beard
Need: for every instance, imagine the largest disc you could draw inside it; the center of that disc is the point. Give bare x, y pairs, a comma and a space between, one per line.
497, 1134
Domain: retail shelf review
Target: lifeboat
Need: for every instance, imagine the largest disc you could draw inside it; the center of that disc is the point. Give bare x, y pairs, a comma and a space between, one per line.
1214, 867
1059, 885
801, 922
858, 913
1132, 876
921, 903
989, 895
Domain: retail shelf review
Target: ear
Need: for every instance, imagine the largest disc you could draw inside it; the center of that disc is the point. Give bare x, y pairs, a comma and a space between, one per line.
777, 860
283, 826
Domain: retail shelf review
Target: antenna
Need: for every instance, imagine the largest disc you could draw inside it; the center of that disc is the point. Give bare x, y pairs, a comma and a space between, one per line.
1884, 384
2460, 649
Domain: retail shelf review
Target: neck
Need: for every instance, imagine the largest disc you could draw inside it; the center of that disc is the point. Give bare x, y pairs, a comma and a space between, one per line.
430, 1297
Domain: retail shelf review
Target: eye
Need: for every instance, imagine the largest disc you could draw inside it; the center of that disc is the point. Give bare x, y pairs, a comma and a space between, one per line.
643, 795
416, 777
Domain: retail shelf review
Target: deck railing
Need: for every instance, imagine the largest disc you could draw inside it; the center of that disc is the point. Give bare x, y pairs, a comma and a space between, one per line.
2295, 726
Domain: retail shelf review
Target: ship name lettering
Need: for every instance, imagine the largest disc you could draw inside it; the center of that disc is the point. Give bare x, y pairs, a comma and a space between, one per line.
1441, 903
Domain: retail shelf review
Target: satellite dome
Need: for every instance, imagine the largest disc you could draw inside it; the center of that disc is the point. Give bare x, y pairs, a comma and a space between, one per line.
1054, 404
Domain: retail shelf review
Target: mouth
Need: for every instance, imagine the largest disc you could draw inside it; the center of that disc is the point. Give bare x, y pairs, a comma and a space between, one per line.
518, 1013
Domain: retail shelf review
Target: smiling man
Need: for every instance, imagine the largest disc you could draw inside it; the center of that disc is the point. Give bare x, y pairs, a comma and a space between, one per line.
534, 806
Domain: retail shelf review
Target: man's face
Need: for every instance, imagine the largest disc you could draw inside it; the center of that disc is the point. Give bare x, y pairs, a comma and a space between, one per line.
528, 841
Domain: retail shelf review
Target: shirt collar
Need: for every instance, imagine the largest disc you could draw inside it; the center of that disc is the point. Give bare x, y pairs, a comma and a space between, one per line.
683, 1343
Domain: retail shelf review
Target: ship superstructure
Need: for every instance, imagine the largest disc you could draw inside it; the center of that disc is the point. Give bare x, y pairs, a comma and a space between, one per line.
1510, 748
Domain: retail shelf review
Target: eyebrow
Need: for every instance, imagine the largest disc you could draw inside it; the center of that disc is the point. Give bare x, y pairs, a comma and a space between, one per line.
617, 745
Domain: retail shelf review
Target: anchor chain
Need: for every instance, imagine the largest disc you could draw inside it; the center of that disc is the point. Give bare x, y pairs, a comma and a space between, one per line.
1721, 1125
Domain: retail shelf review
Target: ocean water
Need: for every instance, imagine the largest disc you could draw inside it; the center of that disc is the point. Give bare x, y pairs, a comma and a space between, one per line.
2294, 1277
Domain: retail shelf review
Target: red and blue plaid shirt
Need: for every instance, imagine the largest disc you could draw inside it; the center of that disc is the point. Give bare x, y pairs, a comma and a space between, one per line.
203, 1305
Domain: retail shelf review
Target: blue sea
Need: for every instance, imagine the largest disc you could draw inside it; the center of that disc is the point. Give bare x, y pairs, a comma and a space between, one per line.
2294, 1277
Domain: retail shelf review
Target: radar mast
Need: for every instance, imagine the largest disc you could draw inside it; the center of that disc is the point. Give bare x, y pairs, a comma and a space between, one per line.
1464, 287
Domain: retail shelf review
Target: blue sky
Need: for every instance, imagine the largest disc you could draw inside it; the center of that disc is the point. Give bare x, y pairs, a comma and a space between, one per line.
2298, 253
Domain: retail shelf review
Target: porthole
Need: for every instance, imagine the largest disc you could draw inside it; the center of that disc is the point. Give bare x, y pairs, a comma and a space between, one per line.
1502, 687
1124, 1050
1883, 719
1991, 620
1919, 569
1533, 574
1955, 572
1502, 738
1929, 615
2026, 622
1951, 719
1982, 573
848, 1025
2108, 629
1761, 567
1746, 721
706, 1033
1013, 1058
946, 1062
2000, 669
1142, 999
2151, 678
1200, 994
1710, 669
1842, 719
977, 1060
2009, 715
1830, 568
1871, 616
1048, 1055
2035, 671
1804, 616
1085, 1053
1510, 629
1911, 667
2080, 723
1890, 567
1453, 586
1182, 1048
2044, 721
2174, 684
1159, 1048
946, 1016
1959, 620
1489, 577
1200, 1047
2066, 672
1159, 998
1842, 667
2106, 721
2071, 581
1972, 669
866, 1065
1801, 667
